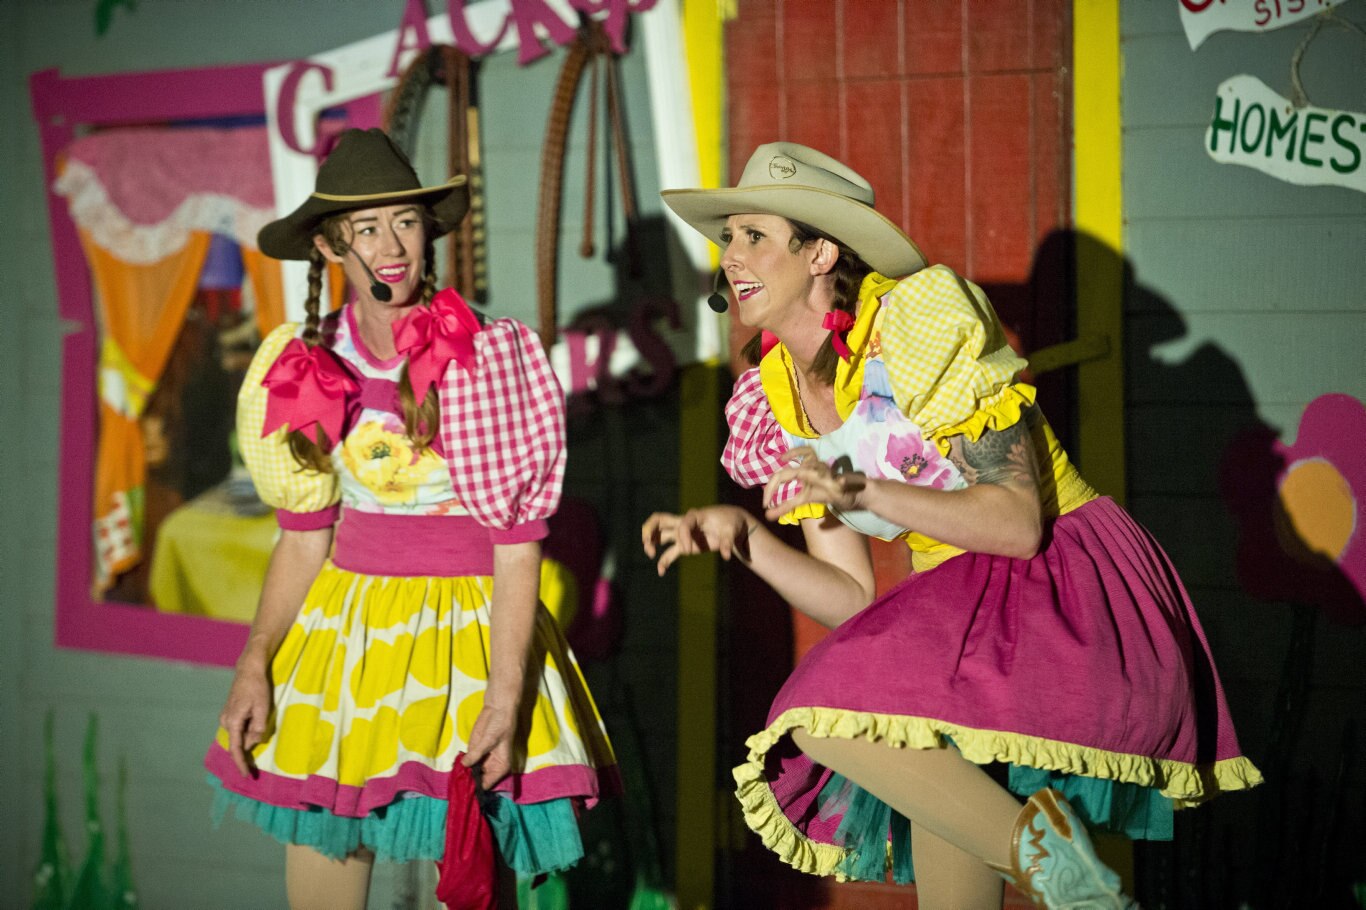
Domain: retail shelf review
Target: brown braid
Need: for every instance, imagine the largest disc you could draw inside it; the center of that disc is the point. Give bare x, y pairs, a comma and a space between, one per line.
419, 421
848, 274
312, 452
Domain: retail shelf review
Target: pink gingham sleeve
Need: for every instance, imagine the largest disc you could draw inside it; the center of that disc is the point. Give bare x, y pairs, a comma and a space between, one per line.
502, 424
754, 449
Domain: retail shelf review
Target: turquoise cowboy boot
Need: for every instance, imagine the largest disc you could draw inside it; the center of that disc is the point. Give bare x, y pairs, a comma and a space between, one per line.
1053, 862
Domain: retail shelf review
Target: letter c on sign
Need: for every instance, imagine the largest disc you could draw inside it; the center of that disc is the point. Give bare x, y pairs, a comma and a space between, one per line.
1197, 6
285, 103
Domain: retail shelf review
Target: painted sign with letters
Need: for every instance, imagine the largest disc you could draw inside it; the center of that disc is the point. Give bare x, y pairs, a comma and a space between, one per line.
1202, 18
1309, 146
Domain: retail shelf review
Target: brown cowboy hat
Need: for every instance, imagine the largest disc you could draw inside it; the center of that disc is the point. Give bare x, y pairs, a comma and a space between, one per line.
802, 184
365, 170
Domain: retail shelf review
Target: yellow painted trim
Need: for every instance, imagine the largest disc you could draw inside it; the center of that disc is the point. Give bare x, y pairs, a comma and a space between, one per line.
699, 445
1097, 138
696, 811
1097, 142
704, 45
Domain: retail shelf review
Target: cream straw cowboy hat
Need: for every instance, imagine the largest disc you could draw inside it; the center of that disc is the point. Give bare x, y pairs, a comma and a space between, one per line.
800, 183
365, 170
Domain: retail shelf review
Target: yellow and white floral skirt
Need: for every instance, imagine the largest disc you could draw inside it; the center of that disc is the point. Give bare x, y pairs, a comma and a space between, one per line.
376, 690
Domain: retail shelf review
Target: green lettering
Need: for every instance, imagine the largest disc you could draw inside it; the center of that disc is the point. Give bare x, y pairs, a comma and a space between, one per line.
1280, 130
1231, 125
1251, 146
1311, 136
1346, 143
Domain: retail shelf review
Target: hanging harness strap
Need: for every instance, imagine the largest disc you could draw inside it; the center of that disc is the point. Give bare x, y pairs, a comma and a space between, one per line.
442, 64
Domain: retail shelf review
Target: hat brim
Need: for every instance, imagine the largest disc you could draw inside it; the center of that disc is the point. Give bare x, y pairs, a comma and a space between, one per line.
291, 237
863, 229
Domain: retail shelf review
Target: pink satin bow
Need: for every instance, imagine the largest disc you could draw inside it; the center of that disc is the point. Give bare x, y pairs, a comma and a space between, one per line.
307, 385
838, 322
433, 336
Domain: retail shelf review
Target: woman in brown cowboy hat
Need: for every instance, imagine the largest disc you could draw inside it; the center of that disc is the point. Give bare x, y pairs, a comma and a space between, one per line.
412, 452
1043, 632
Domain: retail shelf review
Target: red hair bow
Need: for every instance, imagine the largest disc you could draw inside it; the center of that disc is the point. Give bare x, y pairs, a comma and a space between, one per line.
307, 384
432, 336
838, 322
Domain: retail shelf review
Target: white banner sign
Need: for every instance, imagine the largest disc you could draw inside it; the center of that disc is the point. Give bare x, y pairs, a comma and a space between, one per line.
1202, 18
1309, 146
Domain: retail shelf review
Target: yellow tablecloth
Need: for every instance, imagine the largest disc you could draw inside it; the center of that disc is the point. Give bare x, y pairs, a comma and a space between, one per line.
210, 560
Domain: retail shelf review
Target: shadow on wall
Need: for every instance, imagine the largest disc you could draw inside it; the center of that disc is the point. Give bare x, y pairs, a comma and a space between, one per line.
1206, 475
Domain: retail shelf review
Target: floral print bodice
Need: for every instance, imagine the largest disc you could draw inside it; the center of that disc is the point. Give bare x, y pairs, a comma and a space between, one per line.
378, 467
877, 439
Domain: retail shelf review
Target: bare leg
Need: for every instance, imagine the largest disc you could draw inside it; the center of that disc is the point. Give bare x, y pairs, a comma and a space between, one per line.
937, 789
314, 882
952, 879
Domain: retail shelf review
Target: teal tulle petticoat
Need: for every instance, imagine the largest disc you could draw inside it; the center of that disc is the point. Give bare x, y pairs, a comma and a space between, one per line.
869, 824
532, 838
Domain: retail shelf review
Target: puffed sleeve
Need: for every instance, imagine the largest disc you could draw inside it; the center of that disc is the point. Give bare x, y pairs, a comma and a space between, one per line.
304, 499
951, 369
502, 425
756, 443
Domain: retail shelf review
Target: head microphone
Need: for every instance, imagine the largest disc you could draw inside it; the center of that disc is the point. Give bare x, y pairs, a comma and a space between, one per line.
718, 302
378, 289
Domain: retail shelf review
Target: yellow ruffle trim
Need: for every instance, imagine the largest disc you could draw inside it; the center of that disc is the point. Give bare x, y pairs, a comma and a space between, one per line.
1185, 784
999, 412
806, 510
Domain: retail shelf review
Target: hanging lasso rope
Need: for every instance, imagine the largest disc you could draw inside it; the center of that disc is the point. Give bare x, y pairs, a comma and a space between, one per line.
591, 46
441, 64
1298, 97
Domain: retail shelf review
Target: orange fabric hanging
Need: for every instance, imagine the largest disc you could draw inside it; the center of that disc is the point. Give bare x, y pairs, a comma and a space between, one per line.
268, 287
141, 309
336, 286
267, 282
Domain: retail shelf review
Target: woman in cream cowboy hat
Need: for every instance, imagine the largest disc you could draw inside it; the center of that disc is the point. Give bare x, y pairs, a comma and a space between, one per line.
1043, 632
413, 452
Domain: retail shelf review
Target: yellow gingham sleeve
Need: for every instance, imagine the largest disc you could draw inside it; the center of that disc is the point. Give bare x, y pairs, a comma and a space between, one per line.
951, 369
305, 499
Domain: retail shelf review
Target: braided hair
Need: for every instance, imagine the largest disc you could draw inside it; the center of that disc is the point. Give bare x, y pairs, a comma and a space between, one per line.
420, 419
848, 274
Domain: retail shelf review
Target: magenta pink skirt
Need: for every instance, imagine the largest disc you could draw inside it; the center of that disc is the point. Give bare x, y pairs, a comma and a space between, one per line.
1087, 660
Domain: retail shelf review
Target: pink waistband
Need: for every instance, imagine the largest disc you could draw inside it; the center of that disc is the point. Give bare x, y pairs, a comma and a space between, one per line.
371, 543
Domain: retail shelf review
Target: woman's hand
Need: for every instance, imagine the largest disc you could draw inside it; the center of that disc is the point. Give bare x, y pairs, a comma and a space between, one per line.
490, 745
724, 530
245, 714
816, 482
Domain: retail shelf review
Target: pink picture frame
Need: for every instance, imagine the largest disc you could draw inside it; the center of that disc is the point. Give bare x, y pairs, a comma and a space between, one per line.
63, 107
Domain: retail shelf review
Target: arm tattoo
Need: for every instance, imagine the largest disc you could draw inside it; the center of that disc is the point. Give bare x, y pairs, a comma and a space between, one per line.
1000, 456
